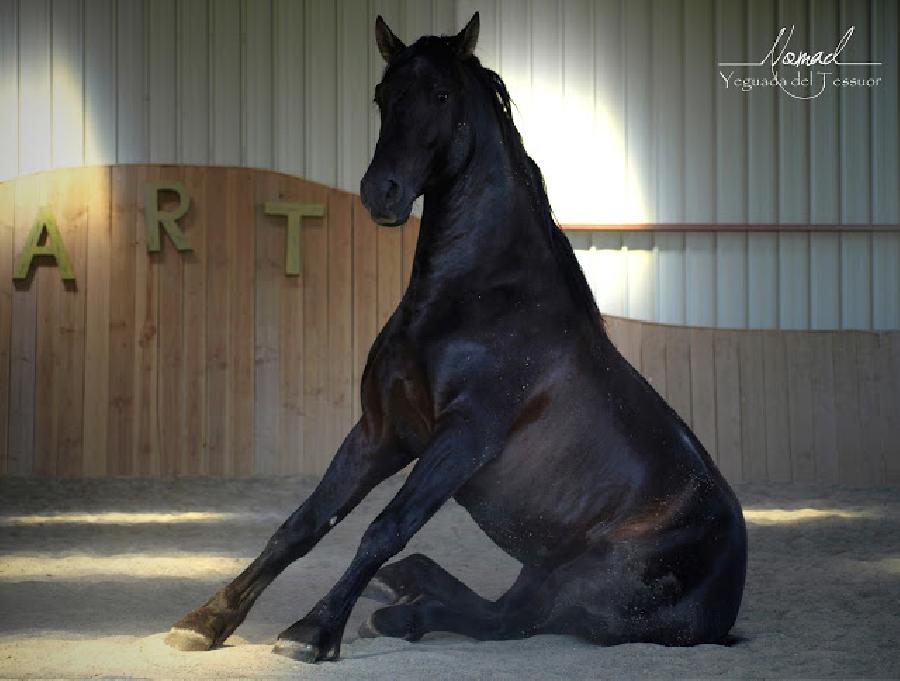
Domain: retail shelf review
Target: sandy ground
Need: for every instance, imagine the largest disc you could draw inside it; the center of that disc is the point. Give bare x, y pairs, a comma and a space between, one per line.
92, 573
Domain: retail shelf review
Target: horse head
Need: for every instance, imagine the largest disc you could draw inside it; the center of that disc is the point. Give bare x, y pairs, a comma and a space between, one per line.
425, 137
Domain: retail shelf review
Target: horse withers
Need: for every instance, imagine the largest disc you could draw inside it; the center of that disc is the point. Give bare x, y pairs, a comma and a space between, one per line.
496, 377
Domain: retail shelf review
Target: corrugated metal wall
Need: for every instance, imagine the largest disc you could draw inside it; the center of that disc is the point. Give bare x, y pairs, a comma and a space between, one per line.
620, 102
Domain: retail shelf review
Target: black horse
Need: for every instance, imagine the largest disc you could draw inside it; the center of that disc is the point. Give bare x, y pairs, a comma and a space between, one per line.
496, 377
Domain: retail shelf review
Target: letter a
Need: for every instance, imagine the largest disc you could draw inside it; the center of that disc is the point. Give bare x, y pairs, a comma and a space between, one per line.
53, 247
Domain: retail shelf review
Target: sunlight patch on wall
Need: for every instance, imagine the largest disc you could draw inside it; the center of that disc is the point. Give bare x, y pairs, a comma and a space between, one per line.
581, 152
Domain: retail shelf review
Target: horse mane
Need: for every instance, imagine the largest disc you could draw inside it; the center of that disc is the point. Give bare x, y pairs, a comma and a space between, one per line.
533, 179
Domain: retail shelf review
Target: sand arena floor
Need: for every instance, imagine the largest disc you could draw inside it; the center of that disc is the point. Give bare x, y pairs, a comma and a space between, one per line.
92, 573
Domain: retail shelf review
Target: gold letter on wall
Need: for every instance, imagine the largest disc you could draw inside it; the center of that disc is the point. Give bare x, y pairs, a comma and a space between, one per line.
53, 247
153, 216
294, 212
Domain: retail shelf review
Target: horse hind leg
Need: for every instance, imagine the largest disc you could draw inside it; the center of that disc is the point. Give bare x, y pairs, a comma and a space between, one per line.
425, 597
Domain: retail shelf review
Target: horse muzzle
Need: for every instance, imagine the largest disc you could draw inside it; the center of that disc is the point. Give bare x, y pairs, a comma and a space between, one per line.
387, 201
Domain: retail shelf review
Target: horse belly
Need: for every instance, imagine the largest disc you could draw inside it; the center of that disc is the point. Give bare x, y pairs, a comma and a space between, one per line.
540, 496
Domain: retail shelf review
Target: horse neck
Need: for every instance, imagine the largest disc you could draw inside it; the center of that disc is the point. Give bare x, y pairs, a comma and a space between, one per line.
477, 220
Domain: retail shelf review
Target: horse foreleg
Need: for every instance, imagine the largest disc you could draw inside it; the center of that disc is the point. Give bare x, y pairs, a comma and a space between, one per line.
449, 460
356, 468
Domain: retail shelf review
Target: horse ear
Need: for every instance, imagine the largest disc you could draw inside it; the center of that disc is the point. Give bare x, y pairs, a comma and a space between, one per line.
466, 38
388, 44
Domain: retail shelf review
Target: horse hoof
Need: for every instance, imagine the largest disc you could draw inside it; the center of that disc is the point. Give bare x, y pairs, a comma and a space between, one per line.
378, 590
188, 640
296, 650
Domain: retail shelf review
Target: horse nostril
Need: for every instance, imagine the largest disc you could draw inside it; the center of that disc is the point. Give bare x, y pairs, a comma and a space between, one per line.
392, 191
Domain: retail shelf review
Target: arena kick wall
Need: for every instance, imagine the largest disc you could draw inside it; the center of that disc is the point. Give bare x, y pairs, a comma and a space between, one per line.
217, 361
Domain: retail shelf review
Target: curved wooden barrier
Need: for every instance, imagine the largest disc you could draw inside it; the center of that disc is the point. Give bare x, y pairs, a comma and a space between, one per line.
779, 406
214, 361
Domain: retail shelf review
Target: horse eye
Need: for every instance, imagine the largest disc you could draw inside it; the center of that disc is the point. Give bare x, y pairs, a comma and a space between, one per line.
442, 97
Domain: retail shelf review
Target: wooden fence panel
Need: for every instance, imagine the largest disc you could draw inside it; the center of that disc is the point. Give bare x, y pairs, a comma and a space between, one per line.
214, 362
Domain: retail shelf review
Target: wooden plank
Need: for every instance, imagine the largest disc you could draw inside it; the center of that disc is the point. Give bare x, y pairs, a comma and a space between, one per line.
852, 460
23, 350
678, 371
120, 424
824, 437
753, 407
49, 292
799, 364
340, 319
145, 414
218, 322
889, 399
196, 225
269, 252
871, 420
778, 431
7, 230
728, 405
316, 452
292, 342
120, 421
653, 356
241, 266
631, 332
69, 327
703, 389
170, 265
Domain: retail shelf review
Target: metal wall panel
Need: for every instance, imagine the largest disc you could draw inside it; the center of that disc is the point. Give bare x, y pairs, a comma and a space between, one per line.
632, 85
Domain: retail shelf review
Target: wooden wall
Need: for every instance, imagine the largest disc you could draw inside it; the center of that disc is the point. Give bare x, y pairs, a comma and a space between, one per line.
209, 362
214, 362
779, 406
